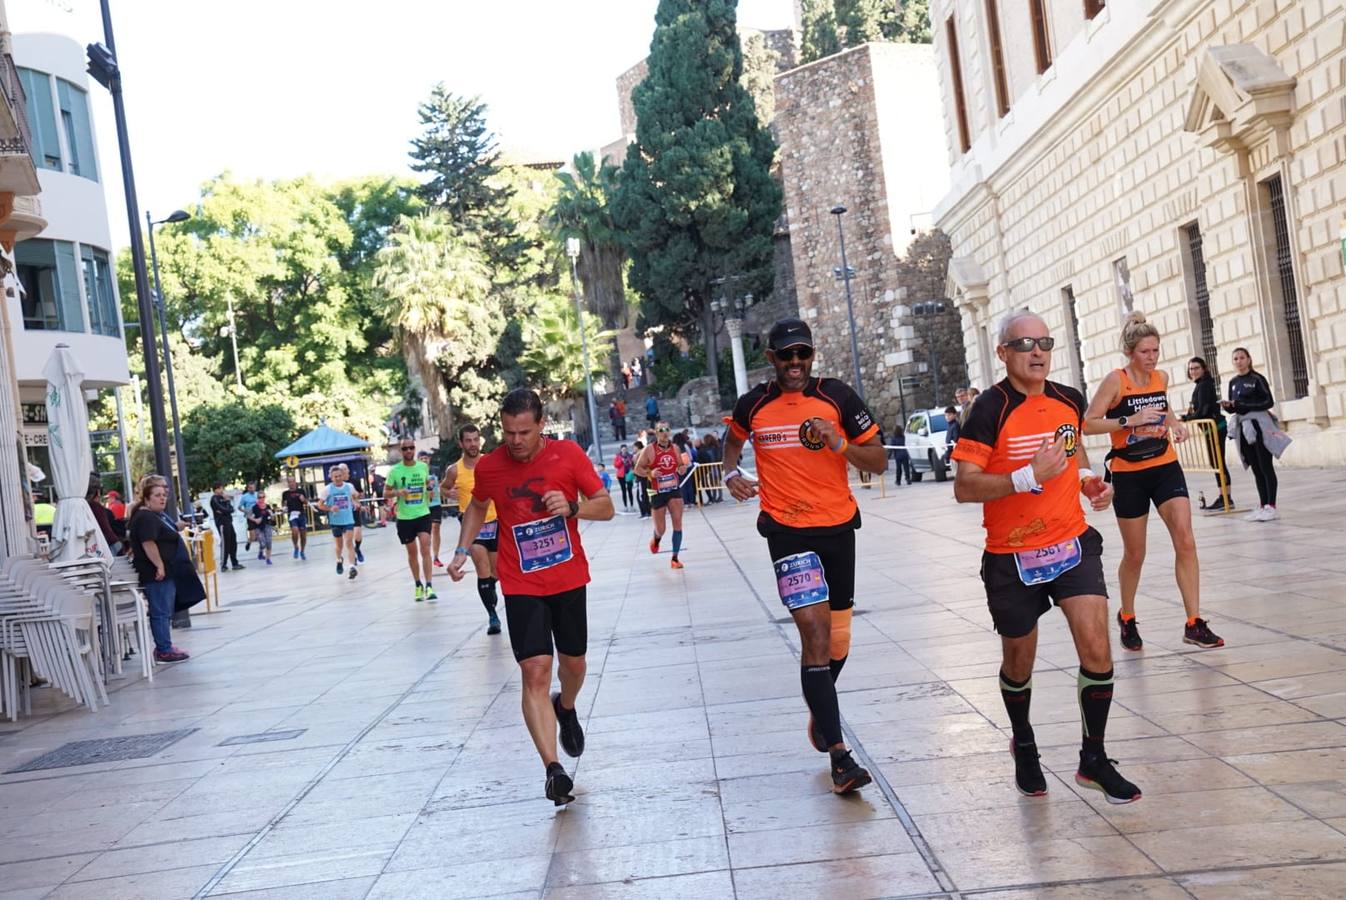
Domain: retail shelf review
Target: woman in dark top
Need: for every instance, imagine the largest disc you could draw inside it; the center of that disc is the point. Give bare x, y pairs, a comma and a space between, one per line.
1206, 405
1249, 392
163, 564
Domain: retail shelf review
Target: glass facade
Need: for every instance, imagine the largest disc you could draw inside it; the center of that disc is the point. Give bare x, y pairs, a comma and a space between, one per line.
60, 279
98, 293
57, 114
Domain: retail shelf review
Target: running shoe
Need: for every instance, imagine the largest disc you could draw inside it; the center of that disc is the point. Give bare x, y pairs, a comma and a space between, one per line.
430, 593
237, 566
438, 564
1028, 777
1130, 633
676, 564
268, 562
303, 555
354, 572
1257, 515
1199, 633
247, 547
1269, 514
559, 785
572, 733
493, 627
1096, 771
420, 593
847, 774
261, 555
654, 545
816, 736
173, 655
359, 555
295, 553
340, 567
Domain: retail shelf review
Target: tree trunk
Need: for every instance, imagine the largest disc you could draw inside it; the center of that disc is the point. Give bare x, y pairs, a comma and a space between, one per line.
600, 271
432, 381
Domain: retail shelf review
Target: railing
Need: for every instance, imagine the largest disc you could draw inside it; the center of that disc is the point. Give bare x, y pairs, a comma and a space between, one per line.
710, 477
18, 105
1203, 451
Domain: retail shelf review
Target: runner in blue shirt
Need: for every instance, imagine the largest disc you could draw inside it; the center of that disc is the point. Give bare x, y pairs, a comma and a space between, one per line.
246, 501
339, 502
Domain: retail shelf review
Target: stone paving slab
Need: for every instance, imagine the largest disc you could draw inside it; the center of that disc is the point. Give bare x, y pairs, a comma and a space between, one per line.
407, 771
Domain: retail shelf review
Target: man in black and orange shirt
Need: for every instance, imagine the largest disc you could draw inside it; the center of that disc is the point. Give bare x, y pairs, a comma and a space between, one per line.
1021, 454
805, 431
541, 489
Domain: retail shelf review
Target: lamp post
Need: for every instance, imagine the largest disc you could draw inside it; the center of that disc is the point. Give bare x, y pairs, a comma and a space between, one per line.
732, 305
927, 310
845, 274
573, 251
177, 216
233, 339
105, 70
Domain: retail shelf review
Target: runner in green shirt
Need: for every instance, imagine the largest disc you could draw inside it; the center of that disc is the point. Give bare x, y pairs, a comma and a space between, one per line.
408, 485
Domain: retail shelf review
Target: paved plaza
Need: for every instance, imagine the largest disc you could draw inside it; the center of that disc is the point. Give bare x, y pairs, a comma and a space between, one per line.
343, 742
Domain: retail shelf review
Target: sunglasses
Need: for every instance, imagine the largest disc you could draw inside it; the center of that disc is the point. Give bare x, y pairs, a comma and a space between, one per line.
1026, 344
408, 449
790, 354
663, 431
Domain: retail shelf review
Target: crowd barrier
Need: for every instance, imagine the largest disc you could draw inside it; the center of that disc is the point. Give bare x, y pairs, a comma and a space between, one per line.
710, 477
1203, 452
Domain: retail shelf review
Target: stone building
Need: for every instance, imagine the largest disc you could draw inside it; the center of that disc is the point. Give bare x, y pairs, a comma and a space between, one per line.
860, 129
1186, 158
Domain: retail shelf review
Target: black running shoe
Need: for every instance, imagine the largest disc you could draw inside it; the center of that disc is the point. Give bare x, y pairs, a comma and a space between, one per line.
847, 774
1028, 775
493, 626
559, 785
572, 735
1096, 771
1130, 633
1199, 633
816, 736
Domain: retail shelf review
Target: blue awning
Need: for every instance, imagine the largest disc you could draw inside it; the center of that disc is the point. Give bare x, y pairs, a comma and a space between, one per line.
323, 441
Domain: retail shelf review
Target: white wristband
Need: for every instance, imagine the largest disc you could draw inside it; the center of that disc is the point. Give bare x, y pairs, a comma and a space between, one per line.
1024, 480
731, 475
1086, 474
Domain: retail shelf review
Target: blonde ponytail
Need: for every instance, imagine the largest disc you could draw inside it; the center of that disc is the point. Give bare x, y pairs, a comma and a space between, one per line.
1134, 330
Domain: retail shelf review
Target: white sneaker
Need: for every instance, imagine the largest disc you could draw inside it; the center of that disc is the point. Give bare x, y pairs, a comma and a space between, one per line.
1254, 516
1269, 514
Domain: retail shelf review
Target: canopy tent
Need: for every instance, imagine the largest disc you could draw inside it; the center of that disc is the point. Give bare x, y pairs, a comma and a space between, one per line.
324, 447
75, 533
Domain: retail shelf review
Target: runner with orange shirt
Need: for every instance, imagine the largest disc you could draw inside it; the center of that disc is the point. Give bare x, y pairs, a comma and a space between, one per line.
805, 431
1021, 455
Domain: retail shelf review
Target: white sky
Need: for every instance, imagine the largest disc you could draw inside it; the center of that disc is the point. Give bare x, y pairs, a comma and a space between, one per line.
279, 88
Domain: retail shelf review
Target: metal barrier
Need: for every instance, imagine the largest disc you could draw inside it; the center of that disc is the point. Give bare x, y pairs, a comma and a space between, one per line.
1203, 452
707, 477
202, 547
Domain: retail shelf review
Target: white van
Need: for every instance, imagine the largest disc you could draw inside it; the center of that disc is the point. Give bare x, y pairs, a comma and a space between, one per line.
925, 435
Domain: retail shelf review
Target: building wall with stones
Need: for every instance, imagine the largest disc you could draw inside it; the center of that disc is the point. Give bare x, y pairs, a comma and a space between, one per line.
856, 129
1185, 158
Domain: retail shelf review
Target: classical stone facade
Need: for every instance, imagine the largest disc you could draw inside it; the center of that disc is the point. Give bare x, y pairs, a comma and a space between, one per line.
1186, 158
861, 129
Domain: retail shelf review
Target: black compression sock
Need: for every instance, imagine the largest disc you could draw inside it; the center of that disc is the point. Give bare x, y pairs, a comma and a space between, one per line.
821, 696
357, 546
486, 591
837, 665
1095, 693
1017, 696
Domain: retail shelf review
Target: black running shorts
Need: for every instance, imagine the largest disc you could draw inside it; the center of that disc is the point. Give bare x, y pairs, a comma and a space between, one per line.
407, 529
835, 551
534, 622
1136, 490
663, 498
1015, 606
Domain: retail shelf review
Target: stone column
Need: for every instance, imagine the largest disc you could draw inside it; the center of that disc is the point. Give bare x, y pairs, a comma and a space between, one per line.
735, 329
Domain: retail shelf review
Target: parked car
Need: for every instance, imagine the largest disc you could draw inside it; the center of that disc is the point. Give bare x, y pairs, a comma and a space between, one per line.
926, 433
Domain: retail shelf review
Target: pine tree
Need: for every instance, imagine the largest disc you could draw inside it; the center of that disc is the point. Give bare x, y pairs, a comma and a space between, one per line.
866, 20
819, 26
696, 198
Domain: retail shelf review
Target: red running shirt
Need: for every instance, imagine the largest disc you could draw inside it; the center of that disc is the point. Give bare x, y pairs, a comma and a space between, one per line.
540, 554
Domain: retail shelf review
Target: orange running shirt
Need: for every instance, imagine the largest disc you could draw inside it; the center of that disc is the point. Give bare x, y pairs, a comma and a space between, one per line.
801, 483
1003, 432
1143, 439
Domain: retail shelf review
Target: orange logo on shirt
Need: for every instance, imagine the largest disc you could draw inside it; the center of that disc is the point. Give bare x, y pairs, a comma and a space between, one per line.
806, 435
1071, 437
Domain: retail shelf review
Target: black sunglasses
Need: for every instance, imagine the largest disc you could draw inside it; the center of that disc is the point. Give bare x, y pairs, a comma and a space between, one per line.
1026, 344
408, 449
790, 354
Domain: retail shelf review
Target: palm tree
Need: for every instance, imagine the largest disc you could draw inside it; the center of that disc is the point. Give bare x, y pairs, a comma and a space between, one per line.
582, 210
554, 359
437, 281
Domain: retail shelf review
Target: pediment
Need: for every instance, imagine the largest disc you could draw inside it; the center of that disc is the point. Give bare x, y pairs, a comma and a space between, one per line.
1242, 97
967, 282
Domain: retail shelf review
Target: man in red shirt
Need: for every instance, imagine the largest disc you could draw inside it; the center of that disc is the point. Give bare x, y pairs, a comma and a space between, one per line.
541, 489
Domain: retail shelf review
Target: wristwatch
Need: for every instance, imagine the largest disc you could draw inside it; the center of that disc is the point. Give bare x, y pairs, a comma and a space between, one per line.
574, 509
1122, 421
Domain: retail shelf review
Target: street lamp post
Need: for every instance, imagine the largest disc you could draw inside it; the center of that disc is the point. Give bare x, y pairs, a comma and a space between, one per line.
177, 216
105, 70
846, 273
573, 251
233, 340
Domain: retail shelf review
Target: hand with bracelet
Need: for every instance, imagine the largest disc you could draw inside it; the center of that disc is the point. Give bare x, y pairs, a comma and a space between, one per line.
826, 432
740, 486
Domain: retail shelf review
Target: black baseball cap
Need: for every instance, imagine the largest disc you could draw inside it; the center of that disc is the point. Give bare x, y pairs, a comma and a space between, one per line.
789, 333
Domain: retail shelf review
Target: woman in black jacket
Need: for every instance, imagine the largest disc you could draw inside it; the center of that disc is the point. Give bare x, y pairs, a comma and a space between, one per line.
1206, 405
1250, 392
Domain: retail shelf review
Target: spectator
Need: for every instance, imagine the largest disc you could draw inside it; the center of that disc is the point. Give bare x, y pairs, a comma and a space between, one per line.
1206, 405
652, 410
222, 510
642, 484
1257, 431
951, 435
901, 458
618, 421
44, 514
101, 515
622, 464
711, 454
605, 476
163, 565
115, 507
626, 376
261, 517
637, 371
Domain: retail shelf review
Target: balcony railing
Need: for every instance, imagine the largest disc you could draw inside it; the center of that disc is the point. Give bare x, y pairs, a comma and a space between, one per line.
18, 107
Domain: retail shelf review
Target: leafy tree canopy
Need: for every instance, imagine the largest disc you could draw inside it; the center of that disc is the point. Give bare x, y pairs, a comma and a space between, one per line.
696, 197
234, 442
829, 26
554, 359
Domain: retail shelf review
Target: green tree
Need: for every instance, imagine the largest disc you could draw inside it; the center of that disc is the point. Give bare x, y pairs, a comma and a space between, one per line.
759, 76
911, 23
235, 442
459, 152
696, 196
819, 25
583, 210
553, 358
